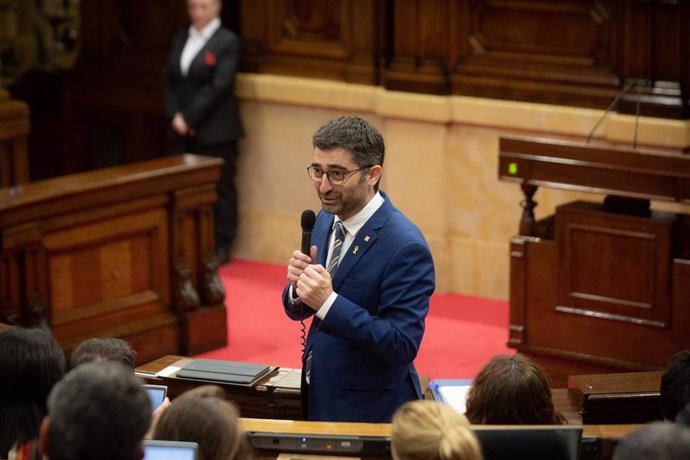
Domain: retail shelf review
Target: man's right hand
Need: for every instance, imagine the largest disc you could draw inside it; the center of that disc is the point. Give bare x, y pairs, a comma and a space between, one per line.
298, 262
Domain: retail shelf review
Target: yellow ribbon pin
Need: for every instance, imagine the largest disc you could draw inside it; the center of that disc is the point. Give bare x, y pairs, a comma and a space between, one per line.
354, 251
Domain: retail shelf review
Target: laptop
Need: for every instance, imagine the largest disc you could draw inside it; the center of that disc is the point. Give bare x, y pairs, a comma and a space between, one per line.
157, 394
557, 442
169, 450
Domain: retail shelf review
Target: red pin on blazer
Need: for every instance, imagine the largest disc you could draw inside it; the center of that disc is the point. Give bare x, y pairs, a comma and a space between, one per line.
210, 58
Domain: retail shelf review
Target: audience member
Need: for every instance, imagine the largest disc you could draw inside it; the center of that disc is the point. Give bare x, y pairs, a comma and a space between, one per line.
428, 430
103, 349
655, 441
512, 390
31, 362
202, 415
97, 411
675, 385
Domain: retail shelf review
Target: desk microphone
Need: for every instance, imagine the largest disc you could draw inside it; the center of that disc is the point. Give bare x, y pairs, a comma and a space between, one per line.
307, 222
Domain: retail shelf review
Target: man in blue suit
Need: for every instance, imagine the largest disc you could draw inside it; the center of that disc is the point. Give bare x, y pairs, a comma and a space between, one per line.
367, 282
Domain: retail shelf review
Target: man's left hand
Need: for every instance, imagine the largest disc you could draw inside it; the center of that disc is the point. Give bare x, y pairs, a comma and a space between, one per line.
314, 286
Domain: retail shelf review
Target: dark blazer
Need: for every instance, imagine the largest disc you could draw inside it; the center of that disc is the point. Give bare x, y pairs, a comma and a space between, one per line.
362, 362
205, 97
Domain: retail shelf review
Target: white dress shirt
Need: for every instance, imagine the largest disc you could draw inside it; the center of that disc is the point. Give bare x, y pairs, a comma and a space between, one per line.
350, 226
196, 40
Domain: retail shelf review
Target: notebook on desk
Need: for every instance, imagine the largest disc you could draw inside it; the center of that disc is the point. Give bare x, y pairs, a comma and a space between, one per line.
452, 392
213, 370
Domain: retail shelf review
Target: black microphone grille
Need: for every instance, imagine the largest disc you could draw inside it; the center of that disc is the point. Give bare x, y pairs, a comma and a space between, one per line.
308, 219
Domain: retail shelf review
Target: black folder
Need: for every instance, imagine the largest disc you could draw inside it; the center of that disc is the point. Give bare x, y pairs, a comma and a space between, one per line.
223, 371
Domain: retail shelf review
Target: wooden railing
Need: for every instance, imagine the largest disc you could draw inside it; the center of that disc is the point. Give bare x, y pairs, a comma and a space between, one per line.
121, 252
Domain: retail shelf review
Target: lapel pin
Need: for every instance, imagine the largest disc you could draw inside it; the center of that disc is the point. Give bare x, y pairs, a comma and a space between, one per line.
354, 251
366, 238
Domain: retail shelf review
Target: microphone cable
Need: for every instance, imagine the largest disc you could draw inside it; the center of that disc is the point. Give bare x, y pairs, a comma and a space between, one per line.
613, 103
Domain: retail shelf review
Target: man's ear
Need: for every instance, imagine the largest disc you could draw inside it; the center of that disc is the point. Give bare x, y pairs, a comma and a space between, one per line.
375, 173
44, 431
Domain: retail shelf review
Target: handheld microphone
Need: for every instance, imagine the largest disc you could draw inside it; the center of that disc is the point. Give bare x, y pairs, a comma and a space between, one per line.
307, 222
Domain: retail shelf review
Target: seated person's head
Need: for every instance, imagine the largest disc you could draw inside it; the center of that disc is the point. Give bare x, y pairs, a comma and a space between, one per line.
511, 390
97, 411
202, 415
103, 349
429, 430
655, 441
31, 362
675, 385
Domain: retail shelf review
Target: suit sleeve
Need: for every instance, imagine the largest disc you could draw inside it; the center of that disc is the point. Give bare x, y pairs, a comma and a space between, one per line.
227, 60
394, 332
294, 311
172, 105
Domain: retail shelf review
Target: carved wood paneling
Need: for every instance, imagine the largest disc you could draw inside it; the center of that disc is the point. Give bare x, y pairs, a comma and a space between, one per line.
90, 255
654, 51
555, 52
337, 40
14, 131
614, 267
419, 47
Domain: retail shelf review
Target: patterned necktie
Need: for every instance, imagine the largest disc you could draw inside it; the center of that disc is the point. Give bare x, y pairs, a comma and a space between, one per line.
332, 266
337, 244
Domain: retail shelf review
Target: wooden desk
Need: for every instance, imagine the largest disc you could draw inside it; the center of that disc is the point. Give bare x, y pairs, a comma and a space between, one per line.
276, 396
273, 405
117, 252
598, 440
599, 287
629, 397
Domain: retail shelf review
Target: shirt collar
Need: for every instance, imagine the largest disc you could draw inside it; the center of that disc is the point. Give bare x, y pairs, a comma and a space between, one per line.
356, 222
207, 31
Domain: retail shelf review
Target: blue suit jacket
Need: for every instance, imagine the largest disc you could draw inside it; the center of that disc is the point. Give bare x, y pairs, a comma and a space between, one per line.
362, 352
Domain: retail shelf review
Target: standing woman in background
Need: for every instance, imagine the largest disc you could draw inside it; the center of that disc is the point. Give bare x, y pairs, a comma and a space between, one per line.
199, 98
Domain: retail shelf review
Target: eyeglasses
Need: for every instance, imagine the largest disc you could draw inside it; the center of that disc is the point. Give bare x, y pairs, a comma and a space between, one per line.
335, 177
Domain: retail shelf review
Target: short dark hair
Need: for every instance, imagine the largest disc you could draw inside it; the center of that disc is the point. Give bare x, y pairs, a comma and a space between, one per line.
675, 385
655, 441
98, 410
512, 390
354, 134
31, 362
103, 349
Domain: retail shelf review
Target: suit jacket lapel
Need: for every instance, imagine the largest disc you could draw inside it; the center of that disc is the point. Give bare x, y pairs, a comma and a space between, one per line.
365, 240
199, 59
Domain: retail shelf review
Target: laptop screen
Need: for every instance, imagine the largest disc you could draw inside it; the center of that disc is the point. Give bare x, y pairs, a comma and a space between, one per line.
169, 450
556, 442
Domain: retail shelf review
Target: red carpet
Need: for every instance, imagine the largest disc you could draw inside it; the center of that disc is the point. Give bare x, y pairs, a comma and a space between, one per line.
462, 332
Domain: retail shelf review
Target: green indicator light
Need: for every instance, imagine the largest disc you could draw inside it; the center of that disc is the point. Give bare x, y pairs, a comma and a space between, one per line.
512, 168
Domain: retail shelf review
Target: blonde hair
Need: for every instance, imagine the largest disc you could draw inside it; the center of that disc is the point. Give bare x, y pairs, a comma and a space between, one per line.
429, 430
